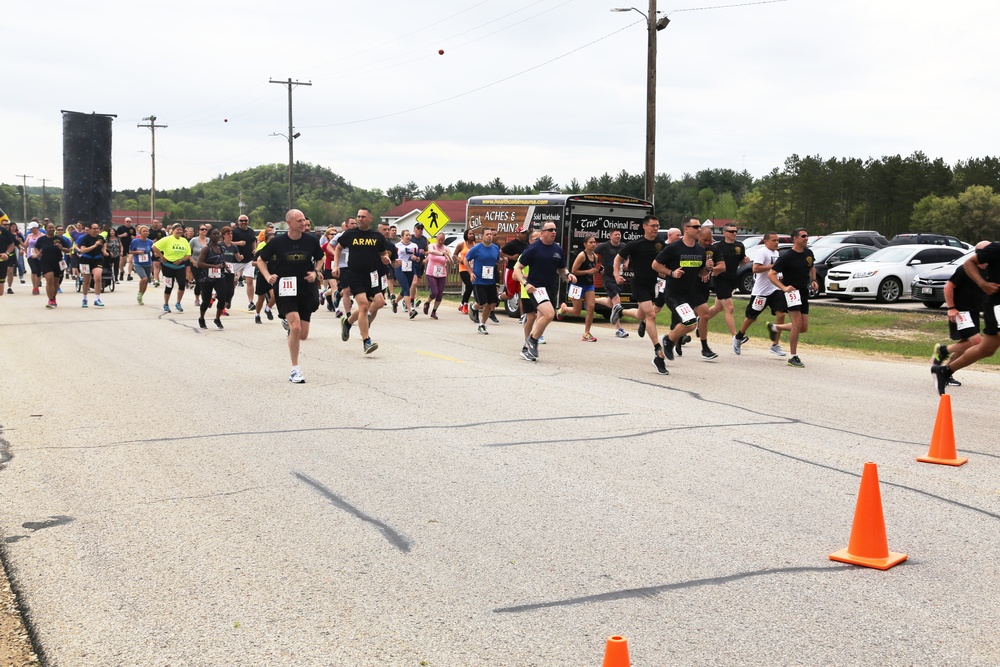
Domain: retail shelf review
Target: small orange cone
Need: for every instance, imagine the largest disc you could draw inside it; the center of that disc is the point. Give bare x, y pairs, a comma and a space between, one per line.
868, 546
943, 439
616, 653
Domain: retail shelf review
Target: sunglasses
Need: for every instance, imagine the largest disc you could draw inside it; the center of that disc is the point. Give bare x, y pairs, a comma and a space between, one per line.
693, 226
729, 231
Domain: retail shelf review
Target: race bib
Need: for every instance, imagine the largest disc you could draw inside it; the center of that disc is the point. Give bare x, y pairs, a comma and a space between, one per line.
575, 292
406, 266
439, 271
169, 282
85, 269
288, 286
964, 320
385, 282
142, 259
62, 264
487, 273
229, 267
215, 273
758, 303
793, 298
996, 312
374, 277
686, 313
541, 295
661, 285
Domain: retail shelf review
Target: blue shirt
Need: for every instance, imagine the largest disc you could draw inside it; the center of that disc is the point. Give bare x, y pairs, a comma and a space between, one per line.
481, 256
545, 262
147, 249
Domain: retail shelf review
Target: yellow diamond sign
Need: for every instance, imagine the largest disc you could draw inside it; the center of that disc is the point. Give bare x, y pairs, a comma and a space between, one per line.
433, 219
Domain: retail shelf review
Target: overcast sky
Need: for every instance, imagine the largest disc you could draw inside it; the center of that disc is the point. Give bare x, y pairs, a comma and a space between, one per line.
524, 88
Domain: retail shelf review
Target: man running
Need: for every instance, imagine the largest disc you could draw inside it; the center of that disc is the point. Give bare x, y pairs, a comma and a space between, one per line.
246, 244
685, 265
369, 253
965, 301
728, 255
90, 248
49, 251
647, 286
763, 294
607, 251
298, 266
988, 280
484, 263
156, 232
798, 273
545, 260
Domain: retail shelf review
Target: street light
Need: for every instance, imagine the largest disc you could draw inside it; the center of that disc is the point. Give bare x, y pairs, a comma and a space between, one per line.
652, 26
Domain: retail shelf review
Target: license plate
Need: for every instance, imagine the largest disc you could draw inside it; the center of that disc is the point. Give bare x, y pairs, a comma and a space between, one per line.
833, 287
927, 290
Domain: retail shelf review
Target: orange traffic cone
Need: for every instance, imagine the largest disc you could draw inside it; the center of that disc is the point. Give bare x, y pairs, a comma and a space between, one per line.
868, 545
943, 439
616, 653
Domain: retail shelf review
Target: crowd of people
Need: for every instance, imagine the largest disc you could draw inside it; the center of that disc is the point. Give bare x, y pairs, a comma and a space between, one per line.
358, 270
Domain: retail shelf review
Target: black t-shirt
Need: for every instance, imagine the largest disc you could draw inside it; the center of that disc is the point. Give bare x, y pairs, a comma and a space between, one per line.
795, 269
967, 295
607, 253
640, 255
422, 244
990, 256
6, 241
51, 249
513, 248
730, 253
86, 241
366, 248
156, 234
249, 239
678, 255
543, 262
393, 256
229, 252
292, 257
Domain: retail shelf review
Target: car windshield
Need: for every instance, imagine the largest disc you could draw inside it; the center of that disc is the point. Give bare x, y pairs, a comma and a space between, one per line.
891, 254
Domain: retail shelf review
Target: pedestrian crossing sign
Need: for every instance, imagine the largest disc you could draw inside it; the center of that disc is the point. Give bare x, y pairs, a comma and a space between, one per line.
433, 219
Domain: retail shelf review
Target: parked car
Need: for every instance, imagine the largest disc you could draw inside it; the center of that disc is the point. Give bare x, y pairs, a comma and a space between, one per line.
829, 256
745, 275
753, 240
863, 237
927, 239
886, 274
928, 286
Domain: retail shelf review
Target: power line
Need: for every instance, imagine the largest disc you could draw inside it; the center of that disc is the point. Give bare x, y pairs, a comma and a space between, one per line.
742, 4
476, 90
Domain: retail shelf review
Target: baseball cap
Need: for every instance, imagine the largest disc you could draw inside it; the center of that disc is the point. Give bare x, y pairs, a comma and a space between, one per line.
419, 225
32, 225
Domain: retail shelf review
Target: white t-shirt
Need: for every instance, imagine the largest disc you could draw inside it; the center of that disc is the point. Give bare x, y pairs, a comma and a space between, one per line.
344, 252
762, 285
406, 252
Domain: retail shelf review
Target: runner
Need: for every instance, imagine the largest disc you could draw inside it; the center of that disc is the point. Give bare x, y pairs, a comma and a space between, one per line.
263, 289
156, 232
546, 260
246, 243
141, 250
298, 265
728, 255
461, 250
647, 286
438, 259
343, 295
685, 265
965, 300
706, 241
763, 294
329, 282
419, 259
369, 251
48, 255
7, 245
585, 266
231, 256
510, 252
112, 253
798, 274
125, 233
988, 280
35, 232
484, 264
607, 251
211, 264
197, 244
90, 249
173, 253
388, 270
405, 250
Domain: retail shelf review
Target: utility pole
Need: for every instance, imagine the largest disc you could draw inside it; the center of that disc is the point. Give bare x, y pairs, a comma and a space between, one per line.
241, 205
291, 137
24, 197
651, 101
151, 124
43, 197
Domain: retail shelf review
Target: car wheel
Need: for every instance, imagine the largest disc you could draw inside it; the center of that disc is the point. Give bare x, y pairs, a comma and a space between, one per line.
933, 304
747, 285
512, 305
844, 298
889, 290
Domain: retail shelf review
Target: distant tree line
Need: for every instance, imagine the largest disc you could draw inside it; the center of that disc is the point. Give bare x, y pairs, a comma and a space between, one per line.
891, 195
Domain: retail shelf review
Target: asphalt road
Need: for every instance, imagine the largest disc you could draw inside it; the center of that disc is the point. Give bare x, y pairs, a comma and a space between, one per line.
171, 499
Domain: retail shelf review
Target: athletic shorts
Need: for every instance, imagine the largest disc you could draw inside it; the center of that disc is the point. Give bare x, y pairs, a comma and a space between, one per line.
990, 327
486, 294
174, 277
244, 269
34, 266
769, 300
511, 286
611, 285
723, 288
533, 307
968, 332
328, 274
305, 303
585, 288
693, 299
51, 267
782, 306
144, 272
91, 263
418, 270
363, 285
261, 286
643, 292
